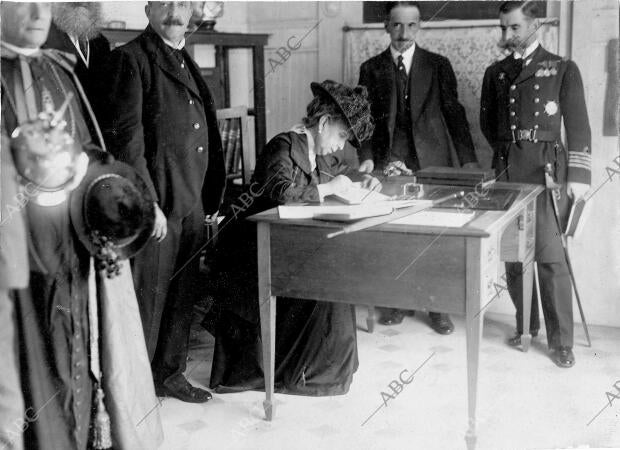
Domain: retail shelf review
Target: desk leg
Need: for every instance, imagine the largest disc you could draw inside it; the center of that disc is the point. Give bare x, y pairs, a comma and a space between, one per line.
529, 268
267, 304
474, 299
370, 320
527, 236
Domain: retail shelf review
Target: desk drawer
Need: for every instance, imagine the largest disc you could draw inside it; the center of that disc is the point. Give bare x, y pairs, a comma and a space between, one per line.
370, 267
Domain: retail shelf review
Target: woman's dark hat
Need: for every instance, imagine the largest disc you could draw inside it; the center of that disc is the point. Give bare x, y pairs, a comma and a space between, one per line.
352, 103
113, 213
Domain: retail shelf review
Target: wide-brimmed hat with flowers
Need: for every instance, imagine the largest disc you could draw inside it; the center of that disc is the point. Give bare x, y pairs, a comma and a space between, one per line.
112, 213
352, 103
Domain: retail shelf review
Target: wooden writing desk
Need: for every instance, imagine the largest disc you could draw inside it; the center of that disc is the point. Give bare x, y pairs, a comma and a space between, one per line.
449, 270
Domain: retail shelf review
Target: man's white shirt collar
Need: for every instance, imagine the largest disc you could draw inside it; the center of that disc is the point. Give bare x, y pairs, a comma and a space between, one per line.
76, 43
171, 44
528, 51
407, 56
21, 50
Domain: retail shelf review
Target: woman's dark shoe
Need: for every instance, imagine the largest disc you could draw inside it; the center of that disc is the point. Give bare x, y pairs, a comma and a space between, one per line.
393, 316
441, 323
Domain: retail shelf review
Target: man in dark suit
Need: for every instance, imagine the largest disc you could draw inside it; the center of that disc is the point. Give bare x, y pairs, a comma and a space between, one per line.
76, 29
159, 117
525, 98
419, 121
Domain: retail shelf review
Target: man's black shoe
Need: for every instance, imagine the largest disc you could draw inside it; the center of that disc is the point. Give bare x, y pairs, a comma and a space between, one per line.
178, 387
441, 323
393, 316
515, 341
563, 357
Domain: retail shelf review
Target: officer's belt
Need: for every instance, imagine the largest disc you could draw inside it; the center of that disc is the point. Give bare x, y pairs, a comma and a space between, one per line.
532, 135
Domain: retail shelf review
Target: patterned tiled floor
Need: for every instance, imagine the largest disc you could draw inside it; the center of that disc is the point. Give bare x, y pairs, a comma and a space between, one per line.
524, 401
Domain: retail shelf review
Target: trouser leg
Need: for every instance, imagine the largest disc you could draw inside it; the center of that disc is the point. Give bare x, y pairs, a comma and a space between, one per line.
514, 283
171, 356
557, 303
152, 269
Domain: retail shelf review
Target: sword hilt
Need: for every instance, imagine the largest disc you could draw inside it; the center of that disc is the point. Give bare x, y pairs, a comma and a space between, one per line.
550, 182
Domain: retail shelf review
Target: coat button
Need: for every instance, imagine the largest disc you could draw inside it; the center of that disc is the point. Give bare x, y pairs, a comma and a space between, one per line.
536, 100
536, 114
196, 126
191, 102
182, 65
536, 127
77, 377
200, 149
513, 87
512, 113
536, 87
512, 100
513, 127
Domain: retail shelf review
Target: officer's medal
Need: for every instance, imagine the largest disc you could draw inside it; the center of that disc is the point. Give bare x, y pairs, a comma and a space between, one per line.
548, 69
551, 108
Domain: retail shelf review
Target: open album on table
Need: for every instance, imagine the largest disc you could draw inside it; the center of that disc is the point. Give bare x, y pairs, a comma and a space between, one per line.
356, 195
336, 211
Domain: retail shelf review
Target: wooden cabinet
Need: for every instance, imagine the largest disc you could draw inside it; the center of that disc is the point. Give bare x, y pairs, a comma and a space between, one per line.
218, 77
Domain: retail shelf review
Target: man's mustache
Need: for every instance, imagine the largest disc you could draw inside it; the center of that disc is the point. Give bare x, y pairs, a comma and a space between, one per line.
508, 45
173, 21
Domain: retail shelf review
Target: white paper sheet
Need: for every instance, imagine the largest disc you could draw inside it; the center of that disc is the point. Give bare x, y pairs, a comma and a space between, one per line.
436, 218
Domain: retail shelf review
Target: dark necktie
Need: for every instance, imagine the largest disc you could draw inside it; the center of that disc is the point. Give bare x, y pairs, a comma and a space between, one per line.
401, 86
180, 57
402, 74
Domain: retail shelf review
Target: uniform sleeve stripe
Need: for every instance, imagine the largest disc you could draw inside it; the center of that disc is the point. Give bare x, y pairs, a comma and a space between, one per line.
582, 166
580, 160
581, 157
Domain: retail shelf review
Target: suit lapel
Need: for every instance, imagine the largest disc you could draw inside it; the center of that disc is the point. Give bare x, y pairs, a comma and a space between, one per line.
387, 72
420, 78
205, 95
510, 67
529, 70
165, 59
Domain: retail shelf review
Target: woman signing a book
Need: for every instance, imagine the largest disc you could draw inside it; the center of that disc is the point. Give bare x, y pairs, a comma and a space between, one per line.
316, 346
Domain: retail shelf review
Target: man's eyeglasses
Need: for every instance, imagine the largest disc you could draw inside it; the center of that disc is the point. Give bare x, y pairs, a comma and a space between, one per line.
169, 5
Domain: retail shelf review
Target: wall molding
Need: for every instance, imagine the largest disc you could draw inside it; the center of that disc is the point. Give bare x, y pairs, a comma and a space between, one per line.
551, 21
